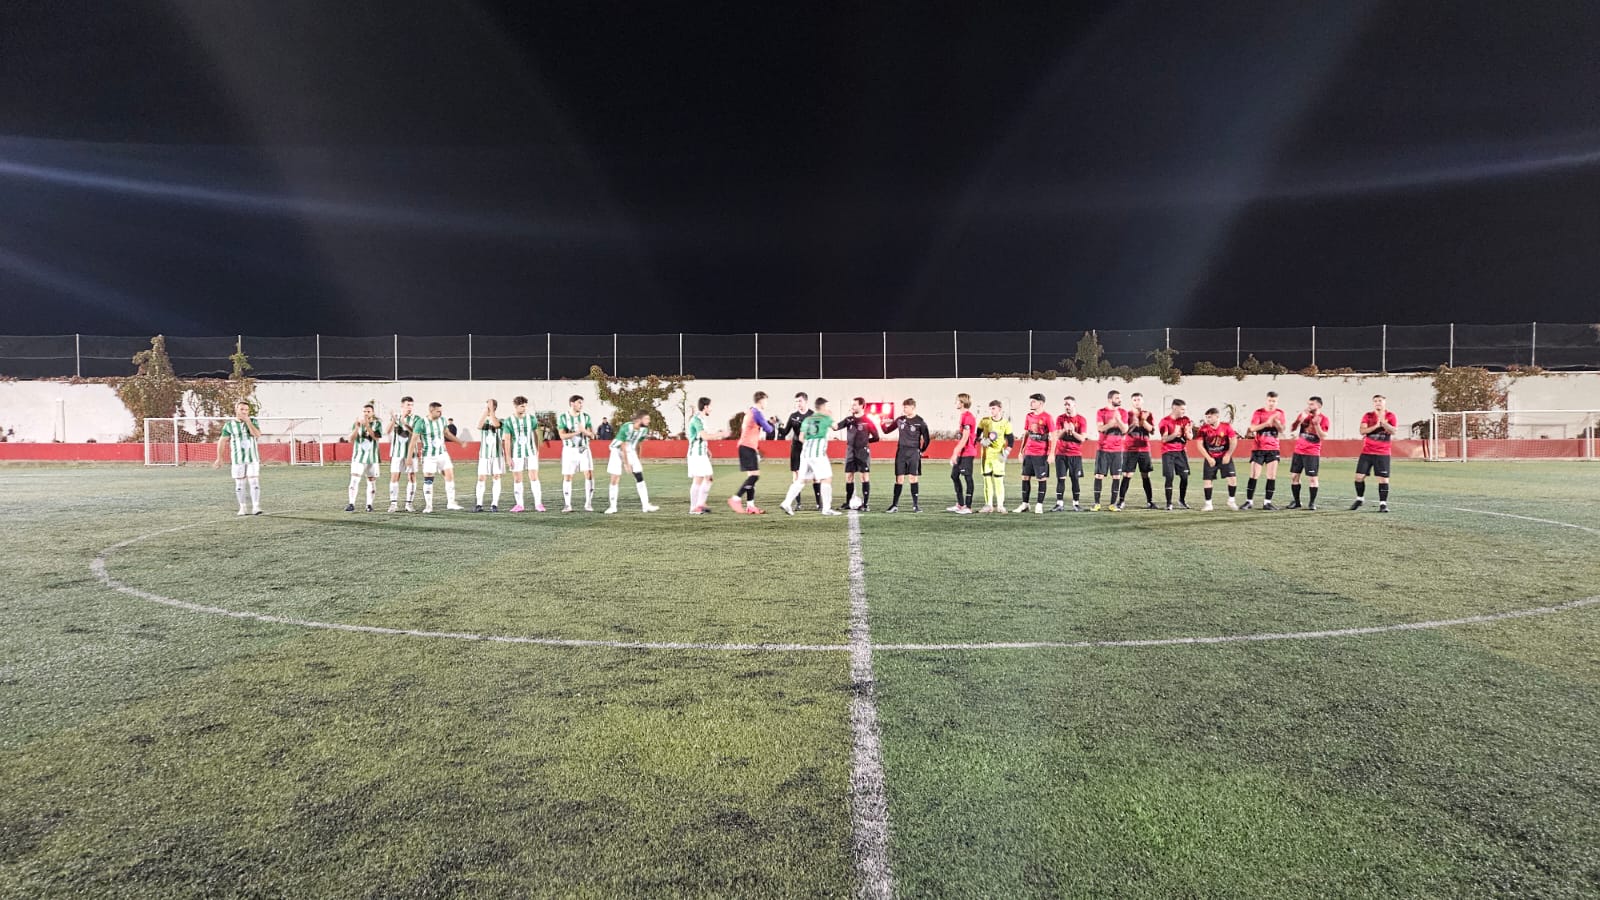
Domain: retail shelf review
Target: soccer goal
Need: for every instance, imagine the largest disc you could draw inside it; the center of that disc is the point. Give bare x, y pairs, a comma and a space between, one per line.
296, 440
1513, 434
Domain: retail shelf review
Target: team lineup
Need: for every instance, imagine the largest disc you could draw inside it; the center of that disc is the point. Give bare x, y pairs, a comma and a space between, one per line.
418, 451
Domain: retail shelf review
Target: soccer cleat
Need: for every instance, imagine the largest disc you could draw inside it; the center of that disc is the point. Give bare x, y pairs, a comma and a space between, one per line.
1095, 508
539, 507
787, 509
1150, 504
428, 508
455, 506
986, 509
893, 508
1182, 505
954, 509
517, 508
349, 507
369, 507
1076, 506
243, 512
566, 509
494, 509
1060, 506
964, 511
1038, 509
1022, 508
410, 508
697, 511
395, 507
611, 510
1208, 507
1267, 504
258, 512
1383, 506
915, 508
864, 508
646, 509
588, 507
735, 504
1312, 507
754, 510
1294, 504
478, 508
1247, 504
1356, 505
1169, 507
1232, 503
844, 506
832, 512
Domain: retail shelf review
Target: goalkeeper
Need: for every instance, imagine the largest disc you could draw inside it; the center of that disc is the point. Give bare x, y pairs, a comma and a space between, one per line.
995, 437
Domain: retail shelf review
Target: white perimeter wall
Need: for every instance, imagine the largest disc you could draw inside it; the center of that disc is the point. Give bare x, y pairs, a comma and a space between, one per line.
93, 410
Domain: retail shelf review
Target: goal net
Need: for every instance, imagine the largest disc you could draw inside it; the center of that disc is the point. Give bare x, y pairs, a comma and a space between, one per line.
1513, 434
296, 440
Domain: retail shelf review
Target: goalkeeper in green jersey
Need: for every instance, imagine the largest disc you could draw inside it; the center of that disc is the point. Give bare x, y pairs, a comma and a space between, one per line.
625, 455
995, 437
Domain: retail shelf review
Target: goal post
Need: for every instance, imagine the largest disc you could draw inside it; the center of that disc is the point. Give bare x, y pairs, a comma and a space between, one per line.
294, 440
1513, 434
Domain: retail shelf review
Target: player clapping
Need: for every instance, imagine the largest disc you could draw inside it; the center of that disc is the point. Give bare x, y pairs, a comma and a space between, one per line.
1218, 441
491, 454
1176, 431
1310, 426
1265, 425
1070, 432
364, 437
403, 454
1377, 432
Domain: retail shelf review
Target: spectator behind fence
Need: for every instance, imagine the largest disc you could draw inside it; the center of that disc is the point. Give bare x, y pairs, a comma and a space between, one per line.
605, 432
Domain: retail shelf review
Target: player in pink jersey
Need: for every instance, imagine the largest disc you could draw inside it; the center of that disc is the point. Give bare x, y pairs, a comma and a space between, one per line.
1265, 425
966, 450
756, 425
1310, 427
1036, 429
1070, 432
1378, 428
1136, 452
1112, 422
1176, 431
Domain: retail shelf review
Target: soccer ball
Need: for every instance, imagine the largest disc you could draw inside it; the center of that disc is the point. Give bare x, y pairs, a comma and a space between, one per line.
855, 501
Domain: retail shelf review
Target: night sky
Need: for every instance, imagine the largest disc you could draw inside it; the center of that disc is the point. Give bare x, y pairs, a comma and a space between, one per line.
222, 166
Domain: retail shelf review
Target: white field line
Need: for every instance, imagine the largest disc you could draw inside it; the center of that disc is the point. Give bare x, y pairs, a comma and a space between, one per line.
869, 802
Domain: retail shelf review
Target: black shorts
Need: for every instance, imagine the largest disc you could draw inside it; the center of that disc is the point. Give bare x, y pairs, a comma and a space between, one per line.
1305, 462
1262, 457
907, 461
1216, 468
1036, 466
1136, 459
1108, 462
857, 460
1374, 464
1174, 463
1069, 464
962, 466
794, 456
749, 460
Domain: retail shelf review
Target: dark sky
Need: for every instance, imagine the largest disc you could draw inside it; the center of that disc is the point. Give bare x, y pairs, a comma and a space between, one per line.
222, 166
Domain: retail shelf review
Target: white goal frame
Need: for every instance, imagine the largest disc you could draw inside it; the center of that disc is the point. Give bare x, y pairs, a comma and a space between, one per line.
300, 436
1512, 434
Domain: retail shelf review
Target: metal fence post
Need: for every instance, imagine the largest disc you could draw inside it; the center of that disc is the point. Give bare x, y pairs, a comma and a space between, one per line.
1313, 346
1533, 347
319, 357
547, 346
1030, 352
469, 356
397, 357
680, 353
1452, 345
615, 365
1238, 344
819, 354
955, 351
886, 354
1168, 339
77, 355
1383, 359
757, 357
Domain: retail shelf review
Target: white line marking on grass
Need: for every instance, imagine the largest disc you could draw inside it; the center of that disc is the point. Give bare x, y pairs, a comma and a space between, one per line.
1485, 512
869, 803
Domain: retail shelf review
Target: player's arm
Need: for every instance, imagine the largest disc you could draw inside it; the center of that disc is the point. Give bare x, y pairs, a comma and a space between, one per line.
765, 424
448, 437
561, 428
924, 440
1313, 426
355, 433
1383, 422
250, 425
966, 435
1368, 429
222, 449
893, 424
1233, 444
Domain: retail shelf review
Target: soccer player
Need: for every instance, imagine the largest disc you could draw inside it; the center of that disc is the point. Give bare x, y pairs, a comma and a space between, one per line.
240, 441
1176, 431
1036, 429
519, 435
699, 457
859, 433
1136, 452
912, 443
625, 455
1218, 440
751, 431
814, 464
791, 429
576, 430
1112, 423
1310, 427
1265, 423
966, 450
1377, 433
436, 438
364, 437
404, 458
491, 454
996, 436
1070, 432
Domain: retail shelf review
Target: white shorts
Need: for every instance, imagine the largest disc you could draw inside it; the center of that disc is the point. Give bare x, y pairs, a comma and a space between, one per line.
369, 470
401, 465
574, 460
247, 470
525, 464
494, 466
816, 468
439, 462
699, 467
617, 464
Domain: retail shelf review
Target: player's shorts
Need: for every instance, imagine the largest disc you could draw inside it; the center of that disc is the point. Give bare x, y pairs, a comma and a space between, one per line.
907, 461
1215, 468
400, 465
365, 470
524, 464
857, 460
437, 462
494, 465
1305, 462
699, 467
1036, 466
1136, 460
1368, 464
749, 460
1108, 462
623, 460
246, 470
815, 468
1262, 457
1174, 464
1069, 465
574, 460
962, 466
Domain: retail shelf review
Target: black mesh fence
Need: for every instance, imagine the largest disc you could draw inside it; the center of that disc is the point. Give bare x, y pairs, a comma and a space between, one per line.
107, 356
1567, 346
1128, 348
639, 355
356, 358
1218, 346
720, 355
1288, 347
791, 355
992, 352
572, 355
282, 358
515, 357
202, 357
921, 354
440, 356
1416, 348
1359, 347
852, 354
39, 356
1488, 345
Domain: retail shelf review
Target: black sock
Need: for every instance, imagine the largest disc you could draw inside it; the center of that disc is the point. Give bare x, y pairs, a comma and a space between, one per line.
1232, 489
1148, 496
816, 491
1361, 489
1271, 484
750, 487
1097, 483
1074, 489
1294, 489
1312, 492
970, 489
896, 500
1127, 482
1208, 495
955, 479
1027, 491
866, 491
1183, 490
1169, 491
1250, 489
1383, 492
1061, 488
914, 493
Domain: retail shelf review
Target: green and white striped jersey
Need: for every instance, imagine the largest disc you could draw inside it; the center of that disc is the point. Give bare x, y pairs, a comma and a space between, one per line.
489, 439
628, 437
400, 444
524, 432
814, 433
431, 433
365, 449
575, 422
697, 439
241, 443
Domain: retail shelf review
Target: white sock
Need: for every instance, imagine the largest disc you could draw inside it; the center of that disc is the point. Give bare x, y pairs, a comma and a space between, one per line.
613, 495
238, 491
481, 486
255, 493
827, 495
793, 493
566, 493
495, 493
450, 492
516, 491
372, 488
538, 492
427, 493
355, 482
394, 492
588, 492
411, 492
644, 493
